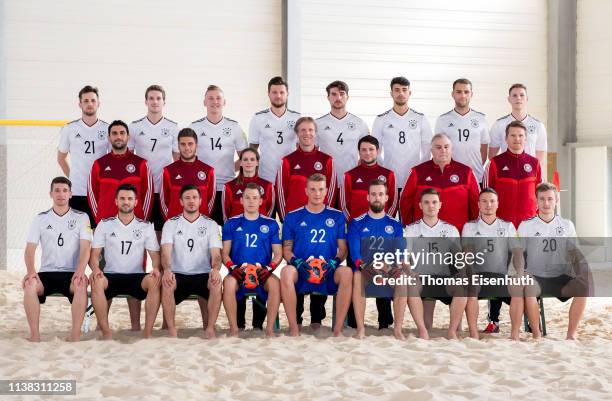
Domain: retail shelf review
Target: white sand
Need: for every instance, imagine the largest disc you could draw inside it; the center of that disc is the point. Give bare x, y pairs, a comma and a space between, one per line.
312, 367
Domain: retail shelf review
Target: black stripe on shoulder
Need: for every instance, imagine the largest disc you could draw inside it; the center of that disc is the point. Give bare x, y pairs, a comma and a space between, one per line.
178, 216
475, 221
109, 218
531, 218
141, 220
74, 121
199, 121
229, 119
478, 112
384, 114
417, 112
139, 120
169, 120
504, 117
262, 112
448, 112
323, 116
103, 122
45, 212
293, 111
535, 119
77, 211
414, 224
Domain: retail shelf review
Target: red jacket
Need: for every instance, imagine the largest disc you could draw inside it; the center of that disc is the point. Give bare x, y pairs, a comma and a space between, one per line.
458, 190
180, 173
514, 178
232, 193
112, 170
295, 168
353, 196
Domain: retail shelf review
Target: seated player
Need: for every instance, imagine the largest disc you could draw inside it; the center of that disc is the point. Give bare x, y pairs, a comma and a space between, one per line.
251, 239
314, 244
191, 258
430, 235
377, 226
125, 239
554, 261
65, 237
497, 240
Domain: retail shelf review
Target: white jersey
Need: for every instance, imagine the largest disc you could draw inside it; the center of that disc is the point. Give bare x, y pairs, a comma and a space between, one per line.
466, 132
420, 240
405, 141
191, 243
154, 143
496, 240
217, 146
536, 134
85, 144
59, 237
276, 139
125, 245
546, 245
339, 138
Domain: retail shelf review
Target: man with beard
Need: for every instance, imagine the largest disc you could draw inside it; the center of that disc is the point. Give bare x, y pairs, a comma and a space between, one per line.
86, 139
339, 131
272, 129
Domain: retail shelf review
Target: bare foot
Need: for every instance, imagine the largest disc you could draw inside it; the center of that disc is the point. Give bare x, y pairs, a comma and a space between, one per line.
424, 334
147, 334
315, 326
270, 333
135, 328
294, 331
338, 333
172, 332
514, 337
475, 336
74, 339
107, 335
570, 337
33, 339
537, 336
234, 332
452, 335
399, 335
360, 334
210, 334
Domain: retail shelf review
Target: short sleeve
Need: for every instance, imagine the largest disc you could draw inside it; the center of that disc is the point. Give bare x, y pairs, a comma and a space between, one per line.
227, 231
34, 232
132, 128
275, 233
496, 134
253, 131
288, 229
214, 239
541, 140
514, 241
484, 136
99, 236
340, 229
64, 142
85, 232
168, 232
240, 142
439, 127
151, 243
175, 131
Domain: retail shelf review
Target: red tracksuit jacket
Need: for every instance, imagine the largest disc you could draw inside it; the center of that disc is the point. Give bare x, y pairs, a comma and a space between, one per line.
353, 196
232, 193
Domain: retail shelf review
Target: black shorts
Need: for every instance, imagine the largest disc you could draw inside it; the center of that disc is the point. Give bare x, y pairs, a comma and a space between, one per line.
125, 284
80, 203
552, 286
156, 215
190, 284
217, 212
437, 292
55, 283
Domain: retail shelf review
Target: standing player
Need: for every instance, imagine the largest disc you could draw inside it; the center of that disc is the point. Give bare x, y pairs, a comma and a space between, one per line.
125, 240
154, 138
220, 139
251, 238
188, 170
552, 260
233, 190
296, 167
120, 166
466, 128
86, 139
65, 237
315, 231
536, 131
377, 225
404, 134
423, 232
272, 129
354, 202
191, 257
497, 239
454, 182
339, 131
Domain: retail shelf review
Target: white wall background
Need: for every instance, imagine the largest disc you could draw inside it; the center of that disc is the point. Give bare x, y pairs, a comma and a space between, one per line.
55, 48
365, 43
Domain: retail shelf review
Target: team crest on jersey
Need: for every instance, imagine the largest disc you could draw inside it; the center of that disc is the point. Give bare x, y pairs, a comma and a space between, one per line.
531, 129
474, 123
264, 229
560, 230
101, 135
318, 166
290, 124
350, 125
454, 178
261, 190
202, 231
71, 224
412, 124
137, 233
501, 232
165, 132
382, 178
443, 233
227, 131
389, 229
527, 167
329, 222
130, 168
201, 175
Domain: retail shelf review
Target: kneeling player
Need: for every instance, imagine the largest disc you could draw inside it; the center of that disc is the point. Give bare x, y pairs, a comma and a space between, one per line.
251, 239
553, 260
376, 226
65, 237
191, 257
314, 244
124, 239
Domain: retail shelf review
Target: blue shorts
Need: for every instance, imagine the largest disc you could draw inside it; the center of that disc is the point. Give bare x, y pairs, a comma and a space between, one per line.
259, 291
327, 287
